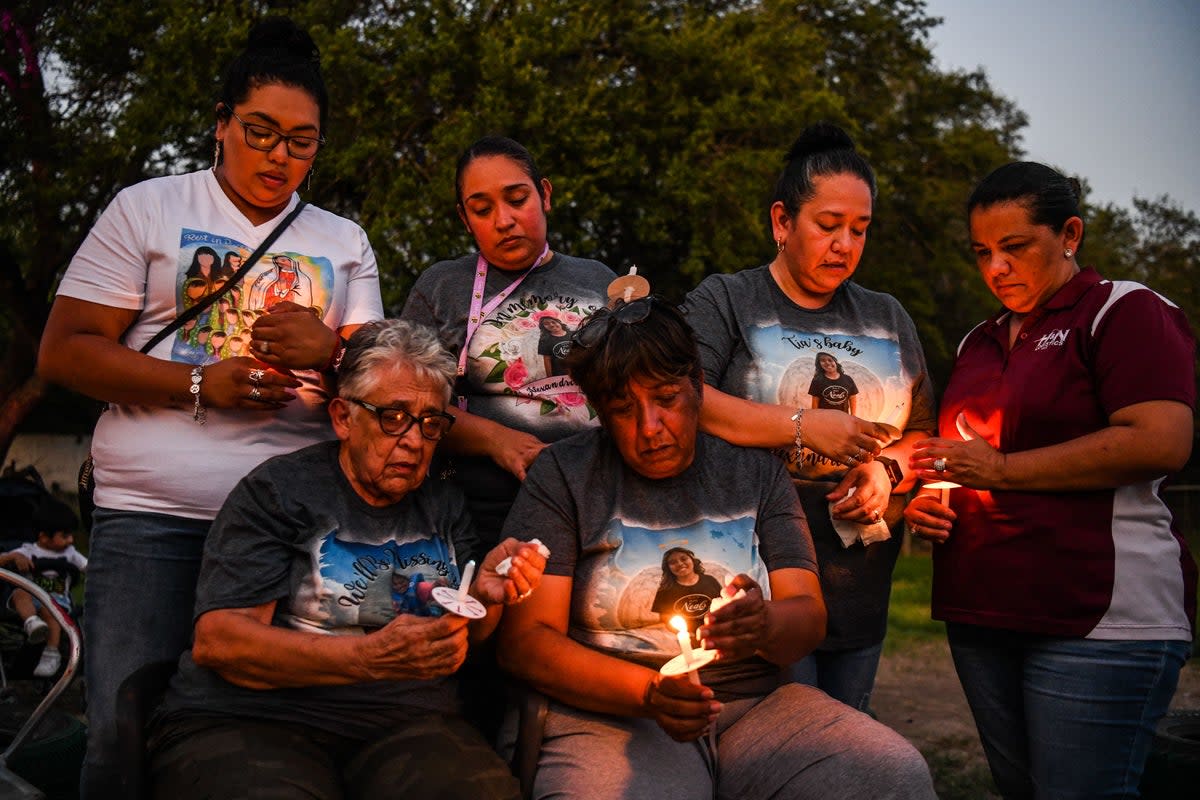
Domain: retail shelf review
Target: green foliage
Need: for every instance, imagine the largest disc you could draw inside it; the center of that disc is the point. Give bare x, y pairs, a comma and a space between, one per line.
661, 123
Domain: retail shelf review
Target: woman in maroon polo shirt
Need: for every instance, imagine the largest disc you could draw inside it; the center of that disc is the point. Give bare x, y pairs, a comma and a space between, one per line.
1068, 592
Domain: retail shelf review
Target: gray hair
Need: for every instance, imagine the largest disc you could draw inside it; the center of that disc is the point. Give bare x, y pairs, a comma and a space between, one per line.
386, 342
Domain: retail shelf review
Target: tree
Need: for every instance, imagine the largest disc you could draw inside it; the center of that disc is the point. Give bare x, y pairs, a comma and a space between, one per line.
662, 124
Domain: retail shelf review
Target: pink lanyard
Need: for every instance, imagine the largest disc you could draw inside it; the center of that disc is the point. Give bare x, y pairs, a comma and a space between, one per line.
479, 311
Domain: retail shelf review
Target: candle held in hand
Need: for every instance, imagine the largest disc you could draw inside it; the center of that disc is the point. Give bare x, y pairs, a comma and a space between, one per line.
685, 641
465, 584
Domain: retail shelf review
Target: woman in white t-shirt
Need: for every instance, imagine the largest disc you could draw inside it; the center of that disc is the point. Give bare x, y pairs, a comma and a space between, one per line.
179, 433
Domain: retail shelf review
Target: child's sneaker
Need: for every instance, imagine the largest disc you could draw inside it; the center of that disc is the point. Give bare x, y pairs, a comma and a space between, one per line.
48, 664
36, 630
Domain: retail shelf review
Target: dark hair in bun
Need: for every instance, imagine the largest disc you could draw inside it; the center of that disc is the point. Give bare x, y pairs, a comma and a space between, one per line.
821, 149
277, 51
1051, 197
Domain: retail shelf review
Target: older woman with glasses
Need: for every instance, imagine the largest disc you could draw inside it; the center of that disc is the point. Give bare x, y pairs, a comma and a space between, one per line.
323, 657
180, 432
628, 718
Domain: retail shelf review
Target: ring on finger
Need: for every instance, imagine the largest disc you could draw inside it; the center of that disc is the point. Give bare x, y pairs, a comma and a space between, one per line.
255, 393
256, 376
265, 347
939, 465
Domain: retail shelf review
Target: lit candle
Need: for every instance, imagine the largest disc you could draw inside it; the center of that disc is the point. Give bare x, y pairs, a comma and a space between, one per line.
685, 647
467, 575
945, 486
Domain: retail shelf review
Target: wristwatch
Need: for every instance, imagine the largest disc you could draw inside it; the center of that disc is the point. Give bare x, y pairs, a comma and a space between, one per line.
894, 473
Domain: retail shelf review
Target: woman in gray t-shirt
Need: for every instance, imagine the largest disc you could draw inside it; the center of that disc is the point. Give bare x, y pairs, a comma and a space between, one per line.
762, 334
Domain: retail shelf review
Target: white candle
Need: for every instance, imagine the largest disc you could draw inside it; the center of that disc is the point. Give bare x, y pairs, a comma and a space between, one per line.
685, 641
685, 647
467, 575
945, 487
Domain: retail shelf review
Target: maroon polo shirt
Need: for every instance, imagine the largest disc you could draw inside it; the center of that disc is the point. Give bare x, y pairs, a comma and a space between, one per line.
1105, 564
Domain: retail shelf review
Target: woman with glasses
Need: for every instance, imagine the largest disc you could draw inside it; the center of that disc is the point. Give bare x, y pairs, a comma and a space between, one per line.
495, 310
324, 663
759, 331
170, 418
627, 719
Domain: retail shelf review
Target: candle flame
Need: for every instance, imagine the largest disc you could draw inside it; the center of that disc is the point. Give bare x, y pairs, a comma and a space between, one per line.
678, 624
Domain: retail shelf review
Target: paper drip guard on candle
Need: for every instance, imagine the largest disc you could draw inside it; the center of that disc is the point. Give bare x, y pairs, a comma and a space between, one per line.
627, 288
457, 601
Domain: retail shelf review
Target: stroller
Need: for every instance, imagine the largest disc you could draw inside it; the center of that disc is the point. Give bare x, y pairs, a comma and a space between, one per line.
42, 746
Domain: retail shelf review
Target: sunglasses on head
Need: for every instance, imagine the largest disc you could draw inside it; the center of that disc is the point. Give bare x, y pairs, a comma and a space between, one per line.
595, 328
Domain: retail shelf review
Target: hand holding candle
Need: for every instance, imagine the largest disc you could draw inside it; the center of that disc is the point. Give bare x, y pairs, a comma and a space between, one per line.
736, 631
510, 572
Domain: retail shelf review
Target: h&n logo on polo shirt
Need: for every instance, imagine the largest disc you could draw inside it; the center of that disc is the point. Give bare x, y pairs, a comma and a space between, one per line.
1052, 339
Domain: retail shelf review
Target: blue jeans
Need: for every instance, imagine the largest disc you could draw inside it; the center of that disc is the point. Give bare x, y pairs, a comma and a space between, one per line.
845, 675
139, 596
1065, 718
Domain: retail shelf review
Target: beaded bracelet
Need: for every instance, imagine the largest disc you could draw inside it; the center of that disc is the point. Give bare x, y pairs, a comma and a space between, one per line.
199, 412
798, 418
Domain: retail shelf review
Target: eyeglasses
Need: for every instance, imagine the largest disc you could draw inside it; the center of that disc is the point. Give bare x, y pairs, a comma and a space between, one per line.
262, 138
397, 421
595, 328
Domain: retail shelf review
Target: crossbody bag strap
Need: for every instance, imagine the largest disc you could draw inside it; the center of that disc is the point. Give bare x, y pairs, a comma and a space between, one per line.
233, 281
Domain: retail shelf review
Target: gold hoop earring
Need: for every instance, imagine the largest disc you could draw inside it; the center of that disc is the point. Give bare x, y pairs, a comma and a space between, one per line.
779, 245
216, 154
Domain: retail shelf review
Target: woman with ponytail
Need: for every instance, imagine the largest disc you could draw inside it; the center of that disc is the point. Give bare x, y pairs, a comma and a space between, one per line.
759, 330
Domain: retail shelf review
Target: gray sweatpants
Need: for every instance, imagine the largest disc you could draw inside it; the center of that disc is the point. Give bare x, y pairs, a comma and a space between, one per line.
796, 742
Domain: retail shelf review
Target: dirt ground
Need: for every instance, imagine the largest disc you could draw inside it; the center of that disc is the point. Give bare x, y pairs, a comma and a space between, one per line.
917, 693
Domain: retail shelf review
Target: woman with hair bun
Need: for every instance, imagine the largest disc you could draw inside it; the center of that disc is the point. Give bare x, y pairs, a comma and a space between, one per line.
180, 432
1065, 583
759, 331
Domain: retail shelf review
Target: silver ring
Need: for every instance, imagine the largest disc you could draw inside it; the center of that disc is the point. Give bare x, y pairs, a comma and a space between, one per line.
265, 347
851, 459
255, 393
939, 465
256, 376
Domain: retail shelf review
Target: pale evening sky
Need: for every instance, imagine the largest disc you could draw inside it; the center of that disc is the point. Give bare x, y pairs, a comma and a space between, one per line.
1111, 87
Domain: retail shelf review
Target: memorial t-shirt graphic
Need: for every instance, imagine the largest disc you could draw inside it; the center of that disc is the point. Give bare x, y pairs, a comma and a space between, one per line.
788, 374
359, 584
518, 350
207, 261
628, 594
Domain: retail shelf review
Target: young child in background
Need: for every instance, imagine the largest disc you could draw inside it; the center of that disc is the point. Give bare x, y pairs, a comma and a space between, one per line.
54, 565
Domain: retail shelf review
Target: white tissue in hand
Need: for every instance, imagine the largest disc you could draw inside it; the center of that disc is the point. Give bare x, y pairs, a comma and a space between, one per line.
850, 532
504, 566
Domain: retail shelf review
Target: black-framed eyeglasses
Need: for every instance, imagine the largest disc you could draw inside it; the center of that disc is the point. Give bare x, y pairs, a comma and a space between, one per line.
397, 421
595, 328
267, 139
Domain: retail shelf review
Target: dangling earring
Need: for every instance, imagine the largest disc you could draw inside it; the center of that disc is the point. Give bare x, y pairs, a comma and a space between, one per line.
308, 181
216, 154
1068, 253
779, 245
